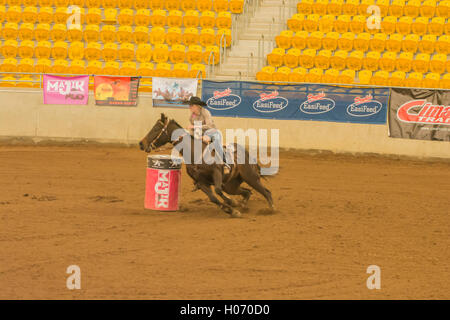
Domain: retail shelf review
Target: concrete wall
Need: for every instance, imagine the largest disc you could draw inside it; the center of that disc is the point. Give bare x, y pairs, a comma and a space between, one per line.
23, 114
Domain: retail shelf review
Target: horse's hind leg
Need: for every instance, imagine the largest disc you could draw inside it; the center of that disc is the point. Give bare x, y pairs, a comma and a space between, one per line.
217, 176
254, 181
225, 207
234, 187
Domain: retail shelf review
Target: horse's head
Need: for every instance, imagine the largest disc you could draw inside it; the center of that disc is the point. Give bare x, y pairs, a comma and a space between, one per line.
157, 136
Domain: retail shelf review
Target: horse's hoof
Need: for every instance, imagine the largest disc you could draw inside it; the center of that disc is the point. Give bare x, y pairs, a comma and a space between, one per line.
236, 214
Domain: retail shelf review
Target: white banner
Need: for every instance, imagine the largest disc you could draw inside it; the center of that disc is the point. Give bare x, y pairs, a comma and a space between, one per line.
173, 92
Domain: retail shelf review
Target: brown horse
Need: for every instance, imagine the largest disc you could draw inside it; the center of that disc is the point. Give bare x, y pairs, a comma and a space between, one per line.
207, 175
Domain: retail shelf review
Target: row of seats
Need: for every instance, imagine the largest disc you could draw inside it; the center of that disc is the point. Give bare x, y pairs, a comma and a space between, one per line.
359, 23
397, 8
364, 42
125, 34
235, 6
348, 76
124, 17
357, 60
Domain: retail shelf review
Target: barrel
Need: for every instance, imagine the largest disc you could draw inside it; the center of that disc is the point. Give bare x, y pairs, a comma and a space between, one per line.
163, 183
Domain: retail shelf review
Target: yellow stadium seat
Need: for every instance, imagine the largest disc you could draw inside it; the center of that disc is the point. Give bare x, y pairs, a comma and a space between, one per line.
411, 8
388, 24
29, 15
361, 43
26, 49
43, 66
397, 79
404, 61
431, 81
94, 67
330, 76
283, 40
141, 34
190, 36
126, 51
396, 8
421, 63
180, 70
197, 70
207, 37
305, 6
158, 18
160, 53
143, 17
236, 6
191, 19
77, 67
365, 76
2, 12
350, 7
223, 38
174, 36
281, 74
443, 9
109, 51
194, 54
128, 68
436, 26
329, 42
175, 18
326, 23
404, 25
296, 75
314, 41
76, 50
172, 5
10, 31
342, 24
124, 34
93, 3
14, 14
26, 65
223, 20
154, 4
61, 15
177, 53
345, 42
78, 3
93, 16
145, 69
45, 15
207, 19
25, 32
43, 50
10, 48
59, 50
108, 34
144, 53
110, 3
387, 61
91, 33
145, 85
362, 8
414, 80
427, 43
371, 60
428, 8
9, 65
355, 60
443, 44
334, 7
410, 43
445, 81
42, 32
320, 7
380, 78
111, 68
314, 75
211, 55
322, 59
221, 5
311, 22
58, 32
275, 58
74, 33
378, 42
394, 43
125, 17
437, 63
60, 66
419, 26
291, 58
358, 24
384, 8
295, 23
110, 15
337, 61
299, 40
8, 81
163, 69
187, 5
306, 59
157, 35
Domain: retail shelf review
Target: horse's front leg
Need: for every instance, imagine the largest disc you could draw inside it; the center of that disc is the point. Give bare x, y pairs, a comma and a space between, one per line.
225, 207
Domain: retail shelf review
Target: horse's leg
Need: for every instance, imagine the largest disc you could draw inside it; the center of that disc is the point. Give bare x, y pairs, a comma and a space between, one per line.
253, 179
234, 187
225, 207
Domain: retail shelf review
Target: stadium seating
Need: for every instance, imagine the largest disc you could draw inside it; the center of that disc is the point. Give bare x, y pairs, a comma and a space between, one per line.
164, 37
330, 41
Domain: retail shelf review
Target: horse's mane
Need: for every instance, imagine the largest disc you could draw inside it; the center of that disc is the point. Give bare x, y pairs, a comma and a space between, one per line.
174, 121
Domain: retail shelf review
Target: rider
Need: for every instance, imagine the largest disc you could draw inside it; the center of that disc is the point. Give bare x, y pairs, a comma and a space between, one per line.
198, 113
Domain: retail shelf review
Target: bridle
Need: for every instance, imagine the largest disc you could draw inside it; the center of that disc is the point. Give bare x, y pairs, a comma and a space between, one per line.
163, 130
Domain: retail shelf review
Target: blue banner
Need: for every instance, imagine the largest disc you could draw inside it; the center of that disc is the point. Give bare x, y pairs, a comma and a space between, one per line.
296, 102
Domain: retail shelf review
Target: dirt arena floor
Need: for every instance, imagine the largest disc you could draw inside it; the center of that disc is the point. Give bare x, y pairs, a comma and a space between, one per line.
337, 215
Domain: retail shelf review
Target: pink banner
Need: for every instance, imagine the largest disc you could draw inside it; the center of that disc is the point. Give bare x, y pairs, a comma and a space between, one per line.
66, 90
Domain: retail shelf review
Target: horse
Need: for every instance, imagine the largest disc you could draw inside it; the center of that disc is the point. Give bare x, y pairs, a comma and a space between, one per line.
207, 175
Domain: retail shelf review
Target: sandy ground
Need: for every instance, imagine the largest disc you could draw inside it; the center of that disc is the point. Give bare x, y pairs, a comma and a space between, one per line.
337, 215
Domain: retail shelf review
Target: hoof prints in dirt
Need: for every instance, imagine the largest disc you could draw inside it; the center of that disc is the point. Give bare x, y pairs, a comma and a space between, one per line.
41, 198
105, 199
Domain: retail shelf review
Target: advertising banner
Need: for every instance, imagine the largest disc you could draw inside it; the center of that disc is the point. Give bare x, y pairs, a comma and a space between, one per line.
172, 92
116, 91
419, 114
296, 102
66, 90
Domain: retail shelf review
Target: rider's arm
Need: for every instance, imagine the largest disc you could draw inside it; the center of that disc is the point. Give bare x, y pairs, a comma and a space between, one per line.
209, 123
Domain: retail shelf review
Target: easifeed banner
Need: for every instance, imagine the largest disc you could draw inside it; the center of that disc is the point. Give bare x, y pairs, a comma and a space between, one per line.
296, 102
66, 90
420, 114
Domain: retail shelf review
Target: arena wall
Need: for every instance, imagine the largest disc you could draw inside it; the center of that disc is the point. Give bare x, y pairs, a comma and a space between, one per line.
23, 115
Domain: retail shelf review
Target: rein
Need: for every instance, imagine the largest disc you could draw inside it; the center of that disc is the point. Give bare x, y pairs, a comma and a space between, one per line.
164, 130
